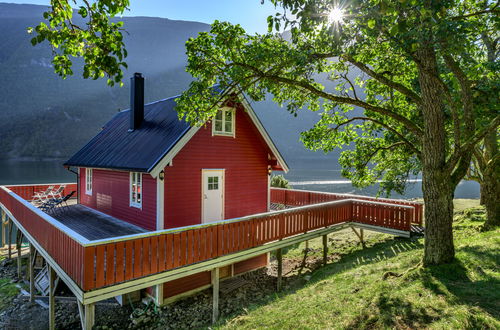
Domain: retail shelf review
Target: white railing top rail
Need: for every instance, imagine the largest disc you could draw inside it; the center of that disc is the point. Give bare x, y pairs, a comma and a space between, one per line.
353, 196
86, 242
37, 184
70, 232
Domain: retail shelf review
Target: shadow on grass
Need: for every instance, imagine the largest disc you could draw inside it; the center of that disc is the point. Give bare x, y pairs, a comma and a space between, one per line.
453, 281
393, 312
388, 249
377, 252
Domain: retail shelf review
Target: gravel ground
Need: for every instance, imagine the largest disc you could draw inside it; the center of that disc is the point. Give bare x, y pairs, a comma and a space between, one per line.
191, 312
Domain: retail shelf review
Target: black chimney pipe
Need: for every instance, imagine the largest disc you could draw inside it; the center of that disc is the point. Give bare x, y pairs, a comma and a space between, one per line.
136, 101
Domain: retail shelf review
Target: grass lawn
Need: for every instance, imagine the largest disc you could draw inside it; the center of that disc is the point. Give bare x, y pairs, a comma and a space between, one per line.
356, 290
8, 291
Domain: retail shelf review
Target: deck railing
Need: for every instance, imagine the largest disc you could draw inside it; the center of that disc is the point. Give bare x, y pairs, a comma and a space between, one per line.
27, 191
294, 197
96, 264
61, 243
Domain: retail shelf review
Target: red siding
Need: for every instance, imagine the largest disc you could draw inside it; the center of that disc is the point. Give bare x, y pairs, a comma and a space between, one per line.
188, 283
110, 195
250, 264
245, 160
184, 284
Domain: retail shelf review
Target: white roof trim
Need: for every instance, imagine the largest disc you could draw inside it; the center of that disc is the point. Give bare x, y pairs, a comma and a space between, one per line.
192, 131
174, 151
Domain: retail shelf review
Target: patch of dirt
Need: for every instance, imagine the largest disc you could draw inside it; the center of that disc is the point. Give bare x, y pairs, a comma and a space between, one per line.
190, 312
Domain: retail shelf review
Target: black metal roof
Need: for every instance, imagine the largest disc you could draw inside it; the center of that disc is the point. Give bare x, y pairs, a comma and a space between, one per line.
140, 150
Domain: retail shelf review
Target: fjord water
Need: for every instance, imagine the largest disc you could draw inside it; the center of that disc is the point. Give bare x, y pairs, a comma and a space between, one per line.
307, 175
315, 175
31, 172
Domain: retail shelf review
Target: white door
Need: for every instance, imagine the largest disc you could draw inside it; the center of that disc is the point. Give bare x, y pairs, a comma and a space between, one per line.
213, 195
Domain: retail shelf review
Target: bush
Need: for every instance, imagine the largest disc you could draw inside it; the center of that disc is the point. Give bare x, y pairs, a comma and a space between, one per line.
279, 181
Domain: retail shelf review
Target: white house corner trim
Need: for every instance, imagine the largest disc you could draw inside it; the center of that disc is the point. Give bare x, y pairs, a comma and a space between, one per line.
160, 200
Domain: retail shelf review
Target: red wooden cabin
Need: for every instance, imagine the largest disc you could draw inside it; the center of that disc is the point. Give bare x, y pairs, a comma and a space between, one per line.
154, 171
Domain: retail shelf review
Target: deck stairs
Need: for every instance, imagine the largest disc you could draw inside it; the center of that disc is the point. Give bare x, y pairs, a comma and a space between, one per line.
42, 281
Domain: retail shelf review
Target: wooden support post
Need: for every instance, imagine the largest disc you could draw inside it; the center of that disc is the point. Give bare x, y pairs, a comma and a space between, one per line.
9, 238
31, 265
360, 236
4, 229
81, 312
159, 294
52, 301
279, 257
325, 249
19, 240
89, 316
215, 302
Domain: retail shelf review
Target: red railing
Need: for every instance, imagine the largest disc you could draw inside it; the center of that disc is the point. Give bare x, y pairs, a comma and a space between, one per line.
61, 243
27, 191
131, 258
96, 264
293, 197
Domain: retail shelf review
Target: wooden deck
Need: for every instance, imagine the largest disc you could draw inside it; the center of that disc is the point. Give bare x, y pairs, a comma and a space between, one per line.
95, 252
91, 224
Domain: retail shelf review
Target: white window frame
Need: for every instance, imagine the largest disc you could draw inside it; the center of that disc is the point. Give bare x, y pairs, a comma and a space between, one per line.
132, 182
88, 181
233, 122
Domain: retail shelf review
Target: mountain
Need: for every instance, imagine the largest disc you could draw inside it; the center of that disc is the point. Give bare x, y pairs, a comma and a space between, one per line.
44, 116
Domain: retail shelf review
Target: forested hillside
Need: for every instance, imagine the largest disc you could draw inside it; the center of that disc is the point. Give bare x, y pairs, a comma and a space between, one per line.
44, 116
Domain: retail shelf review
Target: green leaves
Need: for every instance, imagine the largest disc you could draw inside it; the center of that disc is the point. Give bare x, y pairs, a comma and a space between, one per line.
363, 75
371, 100
95, 38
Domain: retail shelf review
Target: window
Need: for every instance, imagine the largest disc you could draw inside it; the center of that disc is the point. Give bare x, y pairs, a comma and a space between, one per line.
88, 181
223, 123
213, 183
136, 189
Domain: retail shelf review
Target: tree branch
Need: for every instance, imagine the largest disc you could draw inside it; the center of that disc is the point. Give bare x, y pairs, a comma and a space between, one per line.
382, 148
481, 12
386, 81
335, 98
392, 129
475, 139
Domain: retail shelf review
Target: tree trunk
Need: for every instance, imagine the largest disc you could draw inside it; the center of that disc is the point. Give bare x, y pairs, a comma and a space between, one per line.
436, 180
438, 199
481, 194
490, 189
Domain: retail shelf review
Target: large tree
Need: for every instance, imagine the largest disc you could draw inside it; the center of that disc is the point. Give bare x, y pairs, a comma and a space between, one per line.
485, 167
425, 76
427, 85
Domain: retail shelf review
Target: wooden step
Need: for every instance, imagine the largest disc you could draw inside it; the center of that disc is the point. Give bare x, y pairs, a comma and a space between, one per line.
42, 281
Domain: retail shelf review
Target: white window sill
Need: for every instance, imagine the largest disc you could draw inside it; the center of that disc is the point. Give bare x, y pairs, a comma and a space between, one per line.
223, 134
137, 206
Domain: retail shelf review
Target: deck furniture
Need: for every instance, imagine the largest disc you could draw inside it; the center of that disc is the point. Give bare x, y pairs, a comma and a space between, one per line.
57, 193
40, 196
56, 203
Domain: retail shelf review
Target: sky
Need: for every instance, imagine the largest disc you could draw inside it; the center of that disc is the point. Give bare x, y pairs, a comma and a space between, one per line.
248, 13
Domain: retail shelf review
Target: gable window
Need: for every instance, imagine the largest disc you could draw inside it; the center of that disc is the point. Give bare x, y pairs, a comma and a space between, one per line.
136, 189
88, 181
223, 123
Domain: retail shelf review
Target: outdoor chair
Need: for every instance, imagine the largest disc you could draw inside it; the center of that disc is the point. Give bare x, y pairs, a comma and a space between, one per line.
55, 203
40, 196
57, 193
